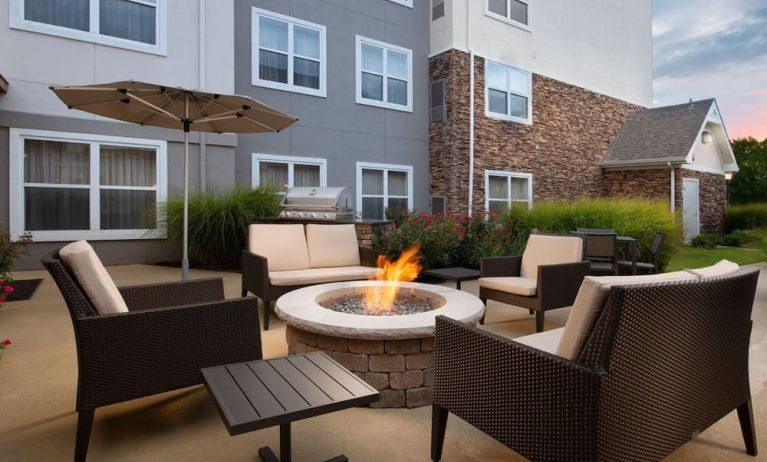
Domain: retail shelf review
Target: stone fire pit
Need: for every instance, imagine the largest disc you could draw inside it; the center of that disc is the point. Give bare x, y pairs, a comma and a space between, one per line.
393, 353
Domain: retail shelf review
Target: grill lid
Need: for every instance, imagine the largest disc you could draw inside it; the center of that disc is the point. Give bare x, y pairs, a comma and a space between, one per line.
312, 198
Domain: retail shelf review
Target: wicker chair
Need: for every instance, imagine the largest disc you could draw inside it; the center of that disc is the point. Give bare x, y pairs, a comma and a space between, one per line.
662, 362
155, 347
552, 284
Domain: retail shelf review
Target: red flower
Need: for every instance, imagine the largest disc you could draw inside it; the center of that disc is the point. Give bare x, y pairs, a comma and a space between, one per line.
8, 289
6, 342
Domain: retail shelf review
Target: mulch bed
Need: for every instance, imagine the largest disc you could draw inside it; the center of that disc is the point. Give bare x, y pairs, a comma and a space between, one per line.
23, 289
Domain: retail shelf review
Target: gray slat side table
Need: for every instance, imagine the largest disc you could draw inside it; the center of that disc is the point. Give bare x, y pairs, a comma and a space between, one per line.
456, 274
259, 394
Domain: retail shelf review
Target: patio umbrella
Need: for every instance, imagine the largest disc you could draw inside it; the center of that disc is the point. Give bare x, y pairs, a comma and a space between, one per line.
173, 107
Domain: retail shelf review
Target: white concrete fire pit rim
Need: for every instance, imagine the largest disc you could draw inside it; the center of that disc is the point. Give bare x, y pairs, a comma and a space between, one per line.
300, 309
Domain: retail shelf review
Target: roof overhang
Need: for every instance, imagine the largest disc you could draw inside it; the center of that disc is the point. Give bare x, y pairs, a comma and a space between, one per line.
642, 163
3, 85
715, 124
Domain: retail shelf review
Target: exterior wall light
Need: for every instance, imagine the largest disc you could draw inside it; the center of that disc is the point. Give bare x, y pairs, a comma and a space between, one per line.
727, 176
705, 137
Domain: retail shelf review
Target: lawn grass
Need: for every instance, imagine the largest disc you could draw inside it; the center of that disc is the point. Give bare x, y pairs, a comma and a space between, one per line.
693, 257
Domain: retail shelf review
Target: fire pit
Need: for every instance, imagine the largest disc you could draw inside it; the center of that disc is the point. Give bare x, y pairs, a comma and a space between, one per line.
392, 352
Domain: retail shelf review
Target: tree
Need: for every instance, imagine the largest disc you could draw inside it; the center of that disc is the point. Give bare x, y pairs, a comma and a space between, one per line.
750, 183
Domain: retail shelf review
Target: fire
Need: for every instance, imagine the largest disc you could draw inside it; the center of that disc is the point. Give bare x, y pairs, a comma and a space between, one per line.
405, 269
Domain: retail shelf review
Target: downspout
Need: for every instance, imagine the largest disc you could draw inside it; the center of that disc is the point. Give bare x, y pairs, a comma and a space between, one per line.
673, 191
201, 86
471, 106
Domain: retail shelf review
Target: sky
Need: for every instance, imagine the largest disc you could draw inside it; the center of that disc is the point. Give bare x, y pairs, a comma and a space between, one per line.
714, 49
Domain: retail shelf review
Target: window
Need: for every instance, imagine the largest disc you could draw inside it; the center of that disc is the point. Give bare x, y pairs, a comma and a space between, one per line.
504, 189
288, 53
408, 3
384, 75
508, 92
67, 186
382, 187
514, 12
134, 24
437, 9
437, 100
285, 172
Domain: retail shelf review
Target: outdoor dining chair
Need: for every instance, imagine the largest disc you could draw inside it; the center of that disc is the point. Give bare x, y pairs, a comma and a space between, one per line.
602, 252
650, 267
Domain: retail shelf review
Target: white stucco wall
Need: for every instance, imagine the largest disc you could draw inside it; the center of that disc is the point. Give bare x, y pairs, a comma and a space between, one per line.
601, 45
707, 155
32, 61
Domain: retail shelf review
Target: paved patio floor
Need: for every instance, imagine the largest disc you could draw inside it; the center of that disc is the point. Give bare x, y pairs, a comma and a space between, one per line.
38, 378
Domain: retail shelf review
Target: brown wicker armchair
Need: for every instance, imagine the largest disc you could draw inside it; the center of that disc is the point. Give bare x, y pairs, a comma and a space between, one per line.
170, 332
662, 362
529, 281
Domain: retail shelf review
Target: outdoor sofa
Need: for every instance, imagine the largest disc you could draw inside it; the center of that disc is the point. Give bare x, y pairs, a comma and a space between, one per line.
284, 257
546, 276
643, 365
142, 340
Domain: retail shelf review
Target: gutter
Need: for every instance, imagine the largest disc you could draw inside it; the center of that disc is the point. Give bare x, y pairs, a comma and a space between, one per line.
201, 84
672, 194
471, 107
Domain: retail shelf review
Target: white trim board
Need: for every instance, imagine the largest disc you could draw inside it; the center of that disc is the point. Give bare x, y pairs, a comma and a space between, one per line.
508, 174
359, 40
17, 184
529, 96
385, 168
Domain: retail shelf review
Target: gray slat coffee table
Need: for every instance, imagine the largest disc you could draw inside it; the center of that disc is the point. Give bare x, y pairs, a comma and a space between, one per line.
259, 394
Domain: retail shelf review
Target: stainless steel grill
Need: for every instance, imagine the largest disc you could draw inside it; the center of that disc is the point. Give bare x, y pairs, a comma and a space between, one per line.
317, 204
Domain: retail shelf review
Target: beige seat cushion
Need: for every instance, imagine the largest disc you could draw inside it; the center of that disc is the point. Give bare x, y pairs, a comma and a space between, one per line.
86, 267
547, 341
721, 268
549, 250
284, 246
590, 300
332, 245
320, 275
512, 285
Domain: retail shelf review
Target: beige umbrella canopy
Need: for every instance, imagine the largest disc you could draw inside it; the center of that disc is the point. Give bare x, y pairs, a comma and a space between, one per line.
173, 107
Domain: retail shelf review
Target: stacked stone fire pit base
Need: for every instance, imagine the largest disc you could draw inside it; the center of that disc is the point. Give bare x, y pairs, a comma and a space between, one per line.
393, 353
402, 370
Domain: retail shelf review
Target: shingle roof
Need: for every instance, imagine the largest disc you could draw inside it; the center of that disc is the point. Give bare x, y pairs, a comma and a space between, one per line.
663, 134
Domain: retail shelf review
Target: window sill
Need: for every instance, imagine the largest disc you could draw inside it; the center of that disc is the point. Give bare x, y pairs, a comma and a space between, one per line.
505, 118
384, 105
289, 88
90, 37
508, 21
110, 235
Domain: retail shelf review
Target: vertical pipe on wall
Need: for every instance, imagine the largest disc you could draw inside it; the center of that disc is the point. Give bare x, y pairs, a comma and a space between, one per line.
672, 195
201, 86
471, 106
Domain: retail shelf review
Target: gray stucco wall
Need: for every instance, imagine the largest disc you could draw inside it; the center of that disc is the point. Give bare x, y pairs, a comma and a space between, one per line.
219, 172
336, 127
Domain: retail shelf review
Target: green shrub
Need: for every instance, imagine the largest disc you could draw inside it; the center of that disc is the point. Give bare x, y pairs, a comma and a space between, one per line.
705, 241
747, 216
637, 218
218, 222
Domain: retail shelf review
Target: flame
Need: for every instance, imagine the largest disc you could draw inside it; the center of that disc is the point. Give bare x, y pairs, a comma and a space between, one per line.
405, 269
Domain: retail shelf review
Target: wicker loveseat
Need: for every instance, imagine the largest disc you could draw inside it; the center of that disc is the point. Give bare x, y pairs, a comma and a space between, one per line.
643, 364
283, 257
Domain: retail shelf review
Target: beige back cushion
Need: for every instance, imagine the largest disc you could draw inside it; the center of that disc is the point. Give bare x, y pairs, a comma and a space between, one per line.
86, 267
332, 245
590, 300
284, 246
549, 250
721, 268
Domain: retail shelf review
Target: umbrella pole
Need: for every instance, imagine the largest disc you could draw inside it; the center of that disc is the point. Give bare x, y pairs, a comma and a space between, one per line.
185, 258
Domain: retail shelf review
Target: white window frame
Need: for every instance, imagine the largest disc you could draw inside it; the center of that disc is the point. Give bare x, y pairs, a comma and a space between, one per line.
291, 162
508, 176
407, 3
508, 20
17, 184
18, 21
255, 47
529, 96
385, 168
358, 78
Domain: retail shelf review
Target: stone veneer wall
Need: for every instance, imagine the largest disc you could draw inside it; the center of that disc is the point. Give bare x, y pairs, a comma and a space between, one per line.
712, 189
571, 131
401, 370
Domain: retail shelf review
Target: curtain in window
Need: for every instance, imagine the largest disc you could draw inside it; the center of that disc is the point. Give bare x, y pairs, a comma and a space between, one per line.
306, 42
273, 65
397, 183
126, 209
128, 20
517, 106
55, 162
275, 174
497, 7
72, 14
498, 188
518, 11
519, 189
372, 66
128, 166
372, 182
306, 175
49, 209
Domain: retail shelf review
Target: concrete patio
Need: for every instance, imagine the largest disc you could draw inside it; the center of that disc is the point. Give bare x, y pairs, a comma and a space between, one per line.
38, 379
